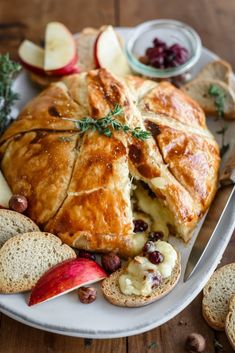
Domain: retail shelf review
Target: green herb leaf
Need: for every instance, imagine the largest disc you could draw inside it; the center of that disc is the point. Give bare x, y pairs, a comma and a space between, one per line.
108, 123
224, 149
218, 95
224, 146
153, 345
8, 69
223, 130
140, 134
65, 138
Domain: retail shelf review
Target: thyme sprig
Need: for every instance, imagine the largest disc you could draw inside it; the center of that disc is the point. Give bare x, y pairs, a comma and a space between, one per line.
8, 69
108, 123
219, 100
219, 96
224, 146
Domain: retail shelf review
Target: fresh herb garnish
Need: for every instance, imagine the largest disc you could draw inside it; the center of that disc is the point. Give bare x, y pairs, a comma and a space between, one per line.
224, 149
8, 69
65, 138
218, 95
218, 346
224, 146
152, 345
108, 123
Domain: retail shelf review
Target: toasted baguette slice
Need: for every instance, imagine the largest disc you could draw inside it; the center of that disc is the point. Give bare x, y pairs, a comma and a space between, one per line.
111, 290
43, 81
217, 70
216, 296
24, 258
85, 48
198, 89
230, 322
13, 223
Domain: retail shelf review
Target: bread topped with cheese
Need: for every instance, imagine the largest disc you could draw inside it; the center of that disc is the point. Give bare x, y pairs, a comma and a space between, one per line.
88, 188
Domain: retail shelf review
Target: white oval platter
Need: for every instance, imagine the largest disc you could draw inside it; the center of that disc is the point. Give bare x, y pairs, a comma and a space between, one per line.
66, 315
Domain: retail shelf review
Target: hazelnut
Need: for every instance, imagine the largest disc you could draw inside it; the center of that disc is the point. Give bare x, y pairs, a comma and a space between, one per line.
111, 262
18, 203
195, 343
87, 294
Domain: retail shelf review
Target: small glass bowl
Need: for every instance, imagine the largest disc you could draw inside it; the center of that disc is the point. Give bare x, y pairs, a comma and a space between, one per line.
169, 31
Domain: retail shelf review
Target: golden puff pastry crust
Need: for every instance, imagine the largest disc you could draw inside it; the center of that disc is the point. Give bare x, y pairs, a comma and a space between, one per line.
88, 188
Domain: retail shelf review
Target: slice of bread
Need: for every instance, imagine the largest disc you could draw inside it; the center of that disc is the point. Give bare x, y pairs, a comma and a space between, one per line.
24, 258
13, 223
217, 70
230, 322
198, 89
216, 296
111, 290
85, 48
43, 81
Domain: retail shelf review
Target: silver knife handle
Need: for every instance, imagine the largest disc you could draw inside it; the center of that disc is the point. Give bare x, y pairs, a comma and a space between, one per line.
228, 173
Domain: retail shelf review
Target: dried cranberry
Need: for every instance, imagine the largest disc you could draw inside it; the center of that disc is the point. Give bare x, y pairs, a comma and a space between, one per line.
154, 236
87, 255
156, 280
155, 257
162, 56
159, 43
169, 56
140, 226
158, 62
175, 47
154, 53
180, 53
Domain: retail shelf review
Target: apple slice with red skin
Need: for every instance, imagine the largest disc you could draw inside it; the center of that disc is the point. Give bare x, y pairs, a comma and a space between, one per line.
31, 55
32, 58
109, 54
60, 47
66, 277
5, 192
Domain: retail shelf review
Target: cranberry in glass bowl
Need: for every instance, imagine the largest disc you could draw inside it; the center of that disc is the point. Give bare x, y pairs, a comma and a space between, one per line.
173, 46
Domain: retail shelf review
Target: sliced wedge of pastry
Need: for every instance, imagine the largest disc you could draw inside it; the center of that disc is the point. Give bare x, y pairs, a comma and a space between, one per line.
91, 189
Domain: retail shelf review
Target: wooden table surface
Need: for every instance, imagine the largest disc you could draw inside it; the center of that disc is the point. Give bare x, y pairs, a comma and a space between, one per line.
214, 21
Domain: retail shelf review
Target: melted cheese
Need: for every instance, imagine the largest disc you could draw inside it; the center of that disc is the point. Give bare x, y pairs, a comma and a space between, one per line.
139, 239
138, 277
160, 215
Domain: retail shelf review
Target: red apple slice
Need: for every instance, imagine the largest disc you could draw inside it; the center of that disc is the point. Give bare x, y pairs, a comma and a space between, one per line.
32, 55
32, 58
71, 68
5, 192
64, 278
109, 53
60, 47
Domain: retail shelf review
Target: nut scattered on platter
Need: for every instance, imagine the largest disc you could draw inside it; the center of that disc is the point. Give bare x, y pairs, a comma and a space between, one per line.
106, 35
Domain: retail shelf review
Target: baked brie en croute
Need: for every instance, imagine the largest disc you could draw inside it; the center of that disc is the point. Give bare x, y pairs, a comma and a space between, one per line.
88, 188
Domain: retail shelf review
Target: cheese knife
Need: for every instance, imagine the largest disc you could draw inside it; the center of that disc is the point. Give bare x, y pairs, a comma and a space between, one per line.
214, 216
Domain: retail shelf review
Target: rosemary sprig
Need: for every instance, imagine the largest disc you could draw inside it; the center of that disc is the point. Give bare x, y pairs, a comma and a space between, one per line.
8, 69
218, 95
108, 123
